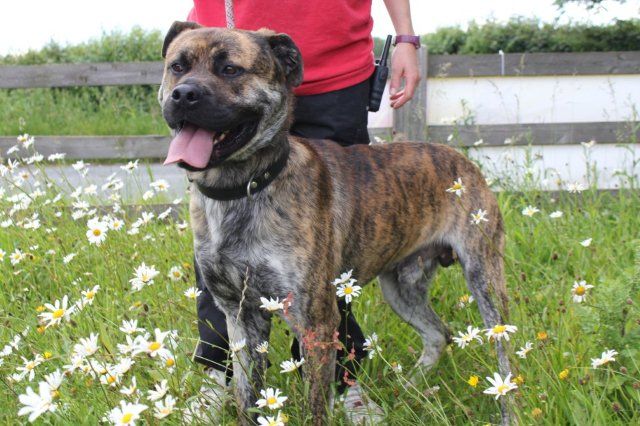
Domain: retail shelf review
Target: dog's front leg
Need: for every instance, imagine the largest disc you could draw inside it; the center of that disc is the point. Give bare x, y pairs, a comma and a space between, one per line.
249, 365
316, 328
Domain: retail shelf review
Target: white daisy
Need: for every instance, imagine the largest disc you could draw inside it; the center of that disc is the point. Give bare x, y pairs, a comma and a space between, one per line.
344, 278
263, 347
348, 291
86, 346
479, 217
530, 211
130, 166
153, 347
29, 368
57, 312
158, 392
164, 408
556, 215
371, 345
16, 257
131, 389
160, 185
291, 365
89, 295
606, 357
580, 290
271, 305
143, 276
97, 232
457, 188
586, 243
126, 414
501, 330
271, 399
500, 387
237, 345
36, 404
472, 334
522, 353
175, 273
192, 293
130, 327
271, 421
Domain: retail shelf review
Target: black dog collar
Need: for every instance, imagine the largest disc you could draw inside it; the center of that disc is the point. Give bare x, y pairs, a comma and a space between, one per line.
253, 186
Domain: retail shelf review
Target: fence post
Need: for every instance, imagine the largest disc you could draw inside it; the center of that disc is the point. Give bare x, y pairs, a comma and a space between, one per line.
410, 121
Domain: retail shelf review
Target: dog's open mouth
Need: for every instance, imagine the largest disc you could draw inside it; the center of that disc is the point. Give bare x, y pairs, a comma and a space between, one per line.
196, 148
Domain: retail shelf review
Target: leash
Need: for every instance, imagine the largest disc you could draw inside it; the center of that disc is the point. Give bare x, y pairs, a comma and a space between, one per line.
228, 11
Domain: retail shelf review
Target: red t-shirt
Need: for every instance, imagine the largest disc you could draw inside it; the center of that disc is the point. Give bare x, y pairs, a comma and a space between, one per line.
334, 36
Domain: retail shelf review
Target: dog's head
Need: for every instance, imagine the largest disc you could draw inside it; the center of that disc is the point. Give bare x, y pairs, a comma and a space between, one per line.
225, 93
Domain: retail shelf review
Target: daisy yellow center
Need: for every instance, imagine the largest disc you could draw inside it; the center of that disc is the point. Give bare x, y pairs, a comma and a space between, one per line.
499, 329
456, 186
30, 365
90, 294
176, 274
58, 313
170, 362
271, 400
154, 346
503, 388
348, 290
145, 277
580, 290
273, 423
111, 379
55, 394
126, 418
97, 232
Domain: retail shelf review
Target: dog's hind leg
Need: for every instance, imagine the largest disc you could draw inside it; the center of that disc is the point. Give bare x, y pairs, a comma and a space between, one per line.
482, 263
406, 289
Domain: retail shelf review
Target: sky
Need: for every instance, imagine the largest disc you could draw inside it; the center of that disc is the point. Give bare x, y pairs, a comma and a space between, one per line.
28, 24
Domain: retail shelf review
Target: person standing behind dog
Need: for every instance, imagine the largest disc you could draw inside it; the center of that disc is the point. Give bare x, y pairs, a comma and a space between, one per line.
334, 37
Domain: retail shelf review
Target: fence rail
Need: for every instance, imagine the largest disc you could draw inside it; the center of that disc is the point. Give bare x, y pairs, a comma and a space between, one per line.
155, 146
516, 64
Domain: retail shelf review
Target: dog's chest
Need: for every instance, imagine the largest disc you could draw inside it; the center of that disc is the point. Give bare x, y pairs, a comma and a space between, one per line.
234, 246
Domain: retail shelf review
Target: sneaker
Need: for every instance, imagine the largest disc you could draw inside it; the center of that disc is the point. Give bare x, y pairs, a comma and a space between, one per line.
360, 409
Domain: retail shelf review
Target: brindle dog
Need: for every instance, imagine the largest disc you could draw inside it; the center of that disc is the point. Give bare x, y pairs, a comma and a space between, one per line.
381, 210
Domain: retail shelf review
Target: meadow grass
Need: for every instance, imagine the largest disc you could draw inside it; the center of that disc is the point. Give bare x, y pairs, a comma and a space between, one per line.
544, 257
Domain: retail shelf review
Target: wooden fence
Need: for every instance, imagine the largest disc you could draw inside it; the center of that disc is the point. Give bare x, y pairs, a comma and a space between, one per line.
409, 122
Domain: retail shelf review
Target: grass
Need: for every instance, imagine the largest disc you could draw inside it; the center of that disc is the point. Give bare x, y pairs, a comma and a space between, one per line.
82, 111
543, 256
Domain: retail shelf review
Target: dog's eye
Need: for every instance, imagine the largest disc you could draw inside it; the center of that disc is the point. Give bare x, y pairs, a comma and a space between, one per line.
231, 71
176, 67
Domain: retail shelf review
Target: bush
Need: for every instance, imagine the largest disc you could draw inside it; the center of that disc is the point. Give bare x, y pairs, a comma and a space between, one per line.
530, 35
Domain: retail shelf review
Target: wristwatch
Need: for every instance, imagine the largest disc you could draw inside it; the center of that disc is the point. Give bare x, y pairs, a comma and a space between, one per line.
413, 39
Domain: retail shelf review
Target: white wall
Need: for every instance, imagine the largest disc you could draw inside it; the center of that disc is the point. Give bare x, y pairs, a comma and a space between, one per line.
511, 100
517, 100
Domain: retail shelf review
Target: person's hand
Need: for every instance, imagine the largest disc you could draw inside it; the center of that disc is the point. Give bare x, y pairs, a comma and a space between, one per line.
404, 65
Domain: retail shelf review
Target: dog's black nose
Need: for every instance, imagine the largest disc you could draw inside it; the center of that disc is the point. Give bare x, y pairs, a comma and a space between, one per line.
186, 95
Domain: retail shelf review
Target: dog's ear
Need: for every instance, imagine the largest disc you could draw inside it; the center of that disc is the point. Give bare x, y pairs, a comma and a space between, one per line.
289, 57
176, 28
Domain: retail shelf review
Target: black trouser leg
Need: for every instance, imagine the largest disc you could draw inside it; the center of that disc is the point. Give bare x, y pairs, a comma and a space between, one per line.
213, 347
352, 339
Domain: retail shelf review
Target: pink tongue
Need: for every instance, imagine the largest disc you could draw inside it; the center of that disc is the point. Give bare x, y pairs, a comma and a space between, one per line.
192, 145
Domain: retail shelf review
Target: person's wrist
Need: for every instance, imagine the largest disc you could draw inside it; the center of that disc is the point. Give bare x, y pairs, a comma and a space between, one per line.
407, 38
